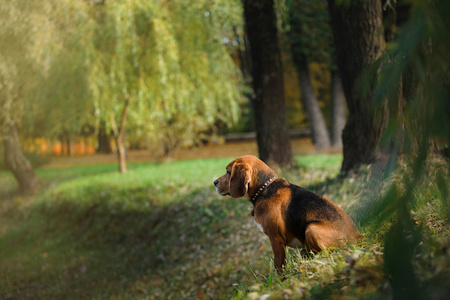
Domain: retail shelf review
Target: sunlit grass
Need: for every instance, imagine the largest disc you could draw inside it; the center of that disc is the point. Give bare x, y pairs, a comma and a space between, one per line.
161, 231
330, 162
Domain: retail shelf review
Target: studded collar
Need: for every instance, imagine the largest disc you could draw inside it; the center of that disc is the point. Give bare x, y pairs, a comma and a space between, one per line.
261, 189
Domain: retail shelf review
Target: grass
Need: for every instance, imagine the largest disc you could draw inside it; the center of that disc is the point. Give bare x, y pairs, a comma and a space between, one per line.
161, 231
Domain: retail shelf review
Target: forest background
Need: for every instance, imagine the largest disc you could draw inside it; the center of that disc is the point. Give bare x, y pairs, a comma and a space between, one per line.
166, 75
183, 68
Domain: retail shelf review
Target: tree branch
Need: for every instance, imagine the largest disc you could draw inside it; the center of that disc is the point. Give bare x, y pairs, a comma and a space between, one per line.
123, 118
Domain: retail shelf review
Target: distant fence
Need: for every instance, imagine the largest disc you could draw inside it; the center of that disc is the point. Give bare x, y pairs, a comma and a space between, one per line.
250, 136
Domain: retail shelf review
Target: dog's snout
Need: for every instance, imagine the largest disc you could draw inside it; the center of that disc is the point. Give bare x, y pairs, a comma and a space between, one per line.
216, 182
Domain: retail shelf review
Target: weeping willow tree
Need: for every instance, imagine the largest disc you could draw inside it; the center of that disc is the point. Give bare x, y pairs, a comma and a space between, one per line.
13, 68
31, 47
161, 71
158, 69
59, 101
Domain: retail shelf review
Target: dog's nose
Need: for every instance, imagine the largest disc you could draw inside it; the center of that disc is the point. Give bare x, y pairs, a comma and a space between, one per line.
216, 182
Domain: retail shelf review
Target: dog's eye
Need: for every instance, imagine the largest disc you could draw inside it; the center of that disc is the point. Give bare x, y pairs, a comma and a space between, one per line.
228, 172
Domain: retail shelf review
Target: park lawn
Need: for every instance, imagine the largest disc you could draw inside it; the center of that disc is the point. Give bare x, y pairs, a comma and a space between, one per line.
161, 231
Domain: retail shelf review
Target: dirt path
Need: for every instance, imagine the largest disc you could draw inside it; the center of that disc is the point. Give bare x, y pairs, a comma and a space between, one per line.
233, 149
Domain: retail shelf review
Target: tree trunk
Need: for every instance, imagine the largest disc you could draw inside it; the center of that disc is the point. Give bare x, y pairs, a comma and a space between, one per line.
359, 40
319, 129
267, 80
337, 110
121, 154
63, 145
69, 146
16, 161
104, 145
119, 136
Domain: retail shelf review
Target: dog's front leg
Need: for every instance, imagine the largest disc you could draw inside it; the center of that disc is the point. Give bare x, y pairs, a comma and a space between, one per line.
279, 254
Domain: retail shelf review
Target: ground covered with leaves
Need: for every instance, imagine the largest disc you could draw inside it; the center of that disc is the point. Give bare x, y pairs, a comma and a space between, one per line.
161, 231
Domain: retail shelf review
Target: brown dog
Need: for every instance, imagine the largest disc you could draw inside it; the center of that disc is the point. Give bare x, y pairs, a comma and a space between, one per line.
288, 214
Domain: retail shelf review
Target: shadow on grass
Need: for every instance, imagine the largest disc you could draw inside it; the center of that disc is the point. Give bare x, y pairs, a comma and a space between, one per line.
194, 245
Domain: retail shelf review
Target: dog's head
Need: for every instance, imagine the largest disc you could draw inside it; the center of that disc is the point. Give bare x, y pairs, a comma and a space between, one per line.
244, 175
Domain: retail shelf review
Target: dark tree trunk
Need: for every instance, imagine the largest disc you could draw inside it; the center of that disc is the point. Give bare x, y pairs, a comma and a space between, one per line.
337, 110
103, 139
319, 129
359, 40
66, 146
16, 161
267, 79
62, 140
69, 146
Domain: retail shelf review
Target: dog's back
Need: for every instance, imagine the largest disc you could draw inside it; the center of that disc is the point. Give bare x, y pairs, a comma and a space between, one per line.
307, 208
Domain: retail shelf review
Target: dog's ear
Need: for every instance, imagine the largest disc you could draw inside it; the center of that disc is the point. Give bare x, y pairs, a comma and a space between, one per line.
240, 178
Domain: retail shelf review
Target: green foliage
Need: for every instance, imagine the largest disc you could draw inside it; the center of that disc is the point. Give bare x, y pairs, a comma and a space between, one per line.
414, 81
58, 101
309, 30
41, 69
417, 59
170, 59
19, 54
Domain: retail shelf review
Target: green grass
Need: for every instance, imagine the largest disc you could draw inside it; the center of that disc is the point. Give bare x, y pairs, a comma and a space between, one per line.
161, 231
329, 162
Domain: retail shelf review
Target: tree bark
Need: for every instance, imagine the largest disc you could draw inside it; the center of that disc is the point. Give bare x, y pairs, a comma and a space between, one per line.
321, 138
121, 153
62, 140
267, 80
337, 110
359, 40
119, 136
16, 161
69, 145
300, 50
104, 145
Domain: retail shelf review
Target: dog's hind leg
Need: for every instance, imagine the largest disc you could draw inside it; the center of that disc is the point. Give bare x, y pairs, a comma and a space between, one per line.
318, 237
